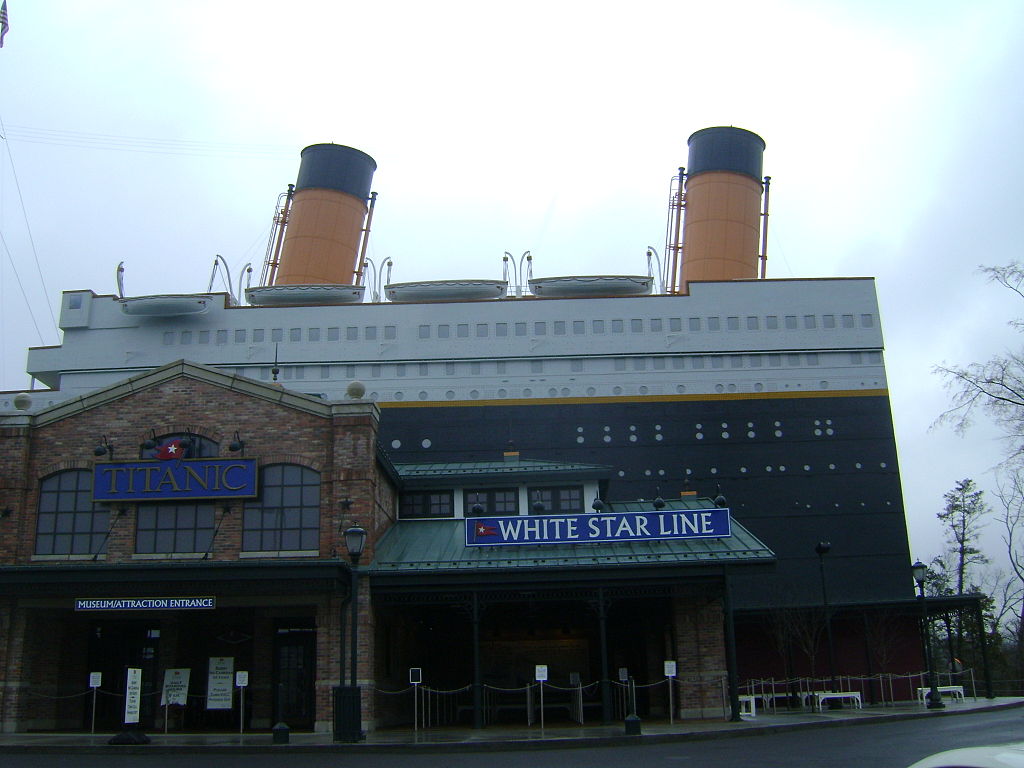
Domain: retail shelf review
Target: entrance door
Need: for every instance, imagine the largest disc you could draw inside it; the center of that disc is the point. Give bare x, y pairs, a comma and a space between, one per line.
294, 675
114, 646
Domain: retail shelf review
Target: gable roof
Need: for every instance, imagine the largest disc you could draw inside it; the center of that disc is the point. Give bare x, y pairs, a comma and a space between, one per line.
197, 372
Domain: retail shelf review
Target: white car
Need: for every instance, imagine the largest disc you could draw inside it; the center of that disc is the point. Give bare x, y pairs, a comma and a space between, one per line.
997, 756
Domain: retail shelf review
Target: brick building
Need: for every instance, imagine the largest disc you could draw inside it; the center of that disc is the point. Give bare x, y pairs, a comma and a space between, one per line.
188, 519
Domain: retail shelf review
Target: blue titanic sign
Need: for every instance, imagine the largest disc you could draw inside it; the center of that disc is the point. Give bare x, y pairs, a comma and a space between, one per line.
656, 525
175, 480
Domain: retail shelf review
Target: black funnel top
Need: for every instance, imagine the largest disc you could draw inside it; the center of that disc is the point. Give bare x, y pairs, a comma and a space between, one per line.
725, 149
334, 166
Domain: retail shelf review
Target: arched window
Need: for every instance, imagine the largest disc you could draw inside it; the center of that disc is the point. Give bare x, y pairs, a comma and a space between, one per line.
286, 516
69, 523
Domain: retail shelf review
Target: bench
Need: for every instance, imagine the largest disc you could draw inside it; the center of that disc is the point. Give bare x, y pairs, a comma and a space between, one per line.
954, 692
748, 705
820, 697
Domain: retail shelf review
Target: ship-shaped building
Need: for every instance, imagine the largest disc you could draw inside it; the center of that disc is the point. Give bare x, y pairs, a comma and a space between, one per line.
584, 476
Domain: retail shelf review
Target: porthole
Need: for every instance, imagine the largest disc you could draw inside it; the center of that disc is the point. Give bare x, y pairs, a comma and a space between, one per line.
426, 442
396, 444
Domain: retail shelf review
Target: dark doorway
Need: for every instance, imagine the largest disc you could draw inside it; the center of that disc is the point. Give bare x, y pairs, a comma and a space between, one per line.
294, 676
114, 646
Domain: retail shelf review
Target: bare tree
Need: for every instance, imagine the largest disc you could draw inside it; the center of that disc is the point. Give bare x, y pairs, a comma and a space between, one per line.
996, 386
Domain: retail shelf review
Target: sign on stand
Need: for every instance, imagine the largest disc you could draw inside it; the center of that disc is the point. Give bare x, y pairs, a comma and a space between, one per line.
241, 682
175, 691
219, 682
540, 674
670, 673
132, 695
95, 681
415, 679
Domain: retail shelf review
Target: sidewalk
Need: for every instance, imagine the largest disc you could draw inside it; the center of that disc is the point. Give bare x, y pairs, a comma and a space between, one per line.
559, 736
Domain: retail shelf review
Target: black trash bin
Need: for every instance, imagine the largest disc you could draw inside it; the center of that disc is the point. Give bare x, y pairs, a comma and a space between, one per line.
347, 713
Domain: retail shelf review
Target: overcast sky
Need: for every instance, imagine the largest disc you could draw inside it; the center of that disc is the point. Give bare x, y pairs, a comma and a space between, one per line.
160, 134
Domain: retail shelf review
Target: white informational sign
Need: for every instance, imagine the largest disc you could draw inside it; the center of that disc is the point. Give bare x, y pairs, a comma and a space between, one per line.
670, 669
95, 679
132, 695
175, 687
541, 673
415, 675
241, 679
623, 675
219, 690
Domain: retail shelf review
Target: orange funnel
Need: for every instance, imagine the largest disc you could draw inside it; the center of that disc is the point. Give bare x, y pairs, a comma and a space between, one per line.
721, 229
325, 223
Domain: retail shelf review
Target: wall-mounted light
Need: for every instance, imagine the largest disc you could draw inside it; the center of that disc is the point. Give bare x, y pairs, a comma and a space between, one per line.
5, 512
345, 504
597, 505
104, 448
150, 442
237, 445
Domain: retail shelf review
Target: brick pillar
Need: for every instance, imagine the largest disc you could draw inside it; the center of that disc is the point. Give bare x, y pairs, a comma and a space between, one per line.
700, 653
328, 659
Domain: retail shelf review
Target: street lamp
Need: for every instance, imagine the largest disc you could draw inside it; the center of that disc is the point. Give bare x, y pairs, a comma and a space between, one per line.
823, 548
348, 702
355, 540
920, 571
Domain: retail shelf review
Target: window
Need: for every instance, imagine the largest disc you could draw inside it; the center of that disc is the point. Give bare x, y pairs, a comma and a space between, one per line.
536, 366
828, 321
576, 366
656, 326
351, 333
620, 363
556, 501
540, 328
427, 504
732, 323
636, 325
424, 332
400, 370
810, 321
204, 337
222, 337
333, 334
186, 337
69, 522
559, 327
771, 322
847, 321
598, 326
501, 329
444, 331
867, 321
168, 338
449, 369
579, 327
495, 501
277, 334
167, 528
502, 367
257, 335
239, 336
639, 364
314, 334
424, 369
675, 324
481, 330
370, 333
694, 323
294, 334
617, 326
390, 332
752, 323
287, 514
714, 324
520, 329
790, 322
462, 330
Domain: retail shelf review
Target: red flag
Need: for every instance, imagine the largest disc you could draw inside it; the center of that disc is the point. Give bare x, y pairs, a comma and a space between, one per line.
4, 24
486, 530
170, 450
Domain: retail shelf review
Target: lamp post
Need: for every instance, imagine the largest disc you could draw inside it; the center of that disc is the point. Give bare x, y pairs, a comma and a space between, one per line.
920, 571
348, 702
823, 548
